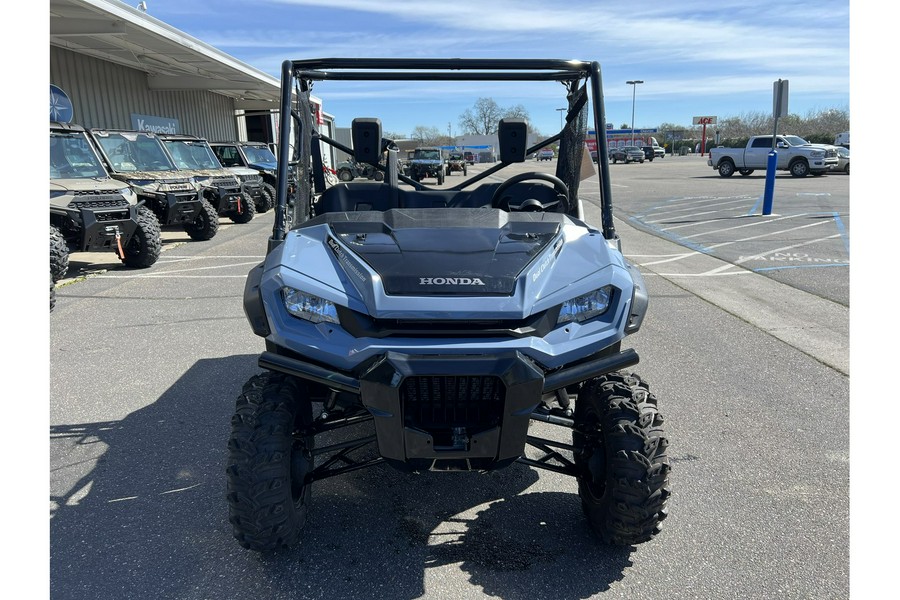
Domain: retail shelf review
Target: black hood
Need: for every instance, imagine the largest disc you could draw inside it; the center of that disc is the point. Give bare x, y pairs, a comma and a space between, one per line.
469, 252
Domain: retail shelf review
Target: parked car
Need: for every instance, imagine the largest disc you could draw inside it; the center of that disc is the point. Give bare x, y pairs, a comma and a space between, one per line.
470, 157
545, 154
649, 154
626, 154
794, 154
843, 165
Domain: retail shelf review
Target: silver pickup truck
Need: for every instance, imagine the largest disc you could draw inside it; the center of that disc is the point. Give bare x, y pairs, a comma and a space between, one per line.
794, 154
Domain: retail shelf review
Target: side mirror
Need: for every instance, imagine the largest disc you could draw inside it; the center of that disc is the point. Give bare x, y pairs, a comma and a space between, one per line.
513, 139
366, 134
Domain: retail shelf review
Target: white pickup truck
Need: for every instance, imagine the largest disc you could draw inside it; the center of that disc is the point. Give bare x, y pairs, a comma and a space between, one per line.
794, 154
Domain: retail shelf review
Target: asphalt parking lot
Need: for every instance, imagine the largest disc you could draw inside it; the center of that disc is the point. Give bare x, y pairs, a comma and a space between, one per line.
803, 243
747, 353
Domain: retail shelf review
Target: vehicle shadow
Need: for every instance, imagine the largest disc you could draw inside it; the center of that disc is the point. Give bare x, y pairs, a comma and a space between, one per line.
138, 510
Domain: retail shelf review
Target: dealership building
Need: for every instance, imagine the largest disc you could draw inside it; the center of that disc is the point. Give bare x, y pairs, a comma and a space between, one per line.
121, 68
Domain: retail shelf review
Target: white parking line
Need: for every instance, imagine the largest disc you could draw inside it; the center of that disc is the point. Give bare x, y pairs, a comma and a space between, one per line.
691, 215
753, 224
171, 273
655, 214
769, 233
672, 258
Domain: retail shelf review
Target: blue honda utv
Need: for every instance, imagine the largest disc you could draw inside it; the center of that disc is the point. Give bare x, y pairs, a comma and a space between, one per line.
444, 320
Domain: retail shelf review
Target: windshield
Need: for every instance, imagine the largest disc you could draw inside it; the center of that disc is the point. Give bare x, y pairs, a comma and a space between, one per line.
134, 151
632, 149
259, 154
72, 157
427, 155
192, 155
456, 157
794, 140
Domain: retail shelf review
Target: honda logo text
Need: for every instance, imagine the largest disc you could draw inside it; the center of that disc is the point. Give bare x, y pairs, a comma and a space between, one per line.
450, 281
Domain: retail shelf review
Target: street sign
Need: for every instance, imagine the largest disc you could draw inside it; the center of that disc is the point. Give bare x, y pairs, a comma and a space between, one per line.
780, 98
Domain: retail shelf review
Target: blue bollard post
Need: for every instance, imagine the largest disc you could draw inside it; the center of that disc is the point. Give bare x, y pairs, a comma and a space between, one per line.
770, 183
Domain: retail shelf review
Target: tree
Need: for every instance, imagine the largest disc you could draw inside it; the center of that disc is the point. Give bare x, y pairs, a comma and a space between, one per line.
484, 117
427, 136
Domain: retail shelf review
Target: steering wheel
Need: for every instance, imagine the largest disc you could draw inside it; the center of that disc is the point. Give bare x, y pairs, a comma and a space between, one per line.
530, 204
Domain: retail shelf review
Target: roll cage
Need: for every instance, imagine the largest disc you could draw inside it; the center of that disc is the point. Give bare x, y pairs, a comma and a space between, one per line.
582, 81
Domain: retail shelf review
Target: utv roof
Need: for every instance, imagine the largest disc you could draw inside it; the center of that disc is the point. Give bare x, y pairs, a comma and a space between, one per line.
67, 126
240, 143
181, 136
440, 69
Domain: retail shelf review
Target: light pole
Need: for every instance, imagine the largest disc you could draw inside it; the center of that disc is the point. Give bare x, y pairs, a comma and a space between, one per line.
560, 111
634, 85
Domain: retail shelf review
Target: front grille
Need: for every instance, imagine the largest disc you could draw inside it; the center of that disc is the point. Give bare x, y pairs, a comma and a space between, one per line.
105, 217
250, 178
360, 326
180, 198
97, 193
223, 181
98, 202
451, 406
830, 153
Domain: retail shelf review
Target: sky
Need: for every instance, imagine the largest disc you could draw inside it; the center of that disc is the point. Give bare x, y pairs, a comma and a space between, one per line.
696, 58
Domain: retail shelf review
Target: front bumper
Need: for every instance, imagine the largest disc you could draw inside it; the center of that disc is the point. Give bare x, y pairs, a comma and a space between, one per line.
101, 222
229, 200
177, 207
468, 412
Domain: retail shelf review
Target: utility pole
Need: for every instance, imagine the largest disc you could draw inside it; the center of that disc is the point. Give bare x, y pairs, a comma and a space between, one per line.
634, 83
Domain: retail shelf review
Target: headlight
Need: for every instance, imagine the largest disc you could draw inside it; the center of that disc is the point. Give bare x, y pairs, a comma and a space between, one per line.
585, 307
817, 154
309, 307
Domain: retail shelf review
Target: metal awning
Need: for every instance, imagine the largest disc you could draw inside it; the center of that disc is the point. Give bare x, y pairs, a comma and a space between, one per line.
116, 32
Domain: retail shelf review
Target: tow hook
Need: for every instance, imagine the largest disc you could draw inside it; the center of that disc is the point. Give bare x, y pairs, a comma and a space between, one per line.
119, 251
240, 212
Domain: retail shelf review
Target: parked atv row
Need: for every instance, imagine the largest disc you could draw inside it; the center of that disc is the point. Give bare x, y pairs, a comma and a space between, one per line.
113, 190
